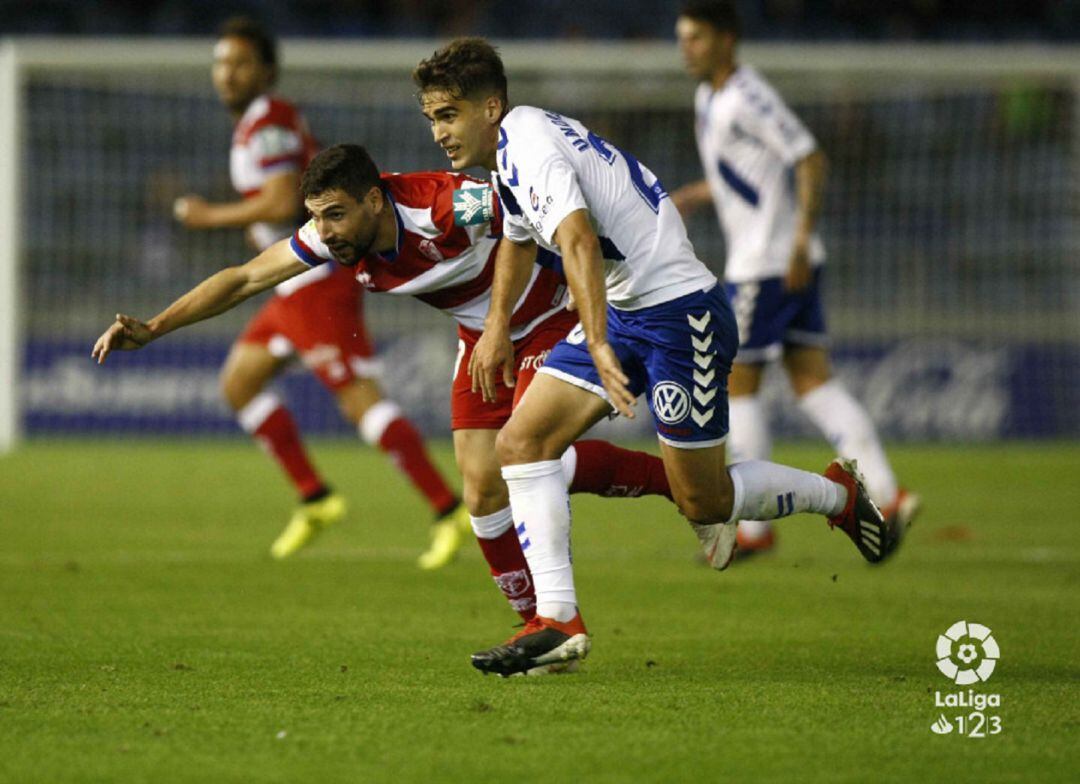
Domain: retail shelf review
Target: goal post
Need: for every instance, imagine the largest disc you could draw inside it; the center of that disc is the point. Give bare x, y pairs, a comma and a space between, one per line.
10, 247
951, 219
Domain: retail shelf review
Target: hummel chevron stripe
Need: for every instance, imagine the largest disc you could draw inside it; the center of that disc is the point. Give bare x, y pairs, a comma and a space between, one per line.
701, 323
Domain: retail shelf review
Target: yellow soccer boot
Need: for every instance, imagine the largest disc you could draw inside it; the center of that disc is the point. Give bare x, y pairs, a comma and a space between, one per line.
447, 535
306, 522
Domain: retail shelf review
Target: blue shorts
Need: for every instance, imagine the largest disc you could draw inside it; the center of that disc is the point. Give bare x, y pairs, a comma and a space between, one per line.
770, 317
679, 353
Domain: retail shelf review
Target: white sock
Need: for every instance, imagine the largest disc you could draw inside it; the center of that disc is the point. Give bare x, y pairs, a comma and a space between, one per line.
541, 504
749, 439
376, 419
492, 526
257, 411
847, 426
569, 464
766, 491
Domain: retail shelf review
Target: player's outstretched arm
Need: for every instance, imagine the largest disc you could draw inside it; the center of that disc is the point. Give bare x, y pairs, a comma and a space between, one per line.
278, 201
689, 198
584, 267
494, 351
221, 291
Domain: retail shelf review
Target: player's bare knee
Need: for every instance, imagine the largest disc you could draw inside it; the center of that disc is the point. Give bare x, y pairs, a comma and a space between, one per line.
706, 506
356, 399
234, 389
483, 493
515, 448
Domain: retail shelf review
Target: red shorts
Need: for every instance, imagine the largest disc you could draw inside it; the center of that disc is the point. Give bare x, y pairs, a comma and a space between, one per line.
322, 322
468, 411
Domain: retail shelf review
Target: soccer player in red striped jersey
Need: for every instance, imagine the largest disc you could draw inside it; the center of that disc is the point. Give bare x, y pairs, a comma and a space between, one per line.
433, 236
317, 316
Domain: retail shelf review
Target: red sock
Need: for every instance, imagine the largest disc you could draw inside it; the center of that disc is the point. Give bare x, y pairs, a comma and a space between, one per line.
611, 471
278, 435
510, 571
402, 442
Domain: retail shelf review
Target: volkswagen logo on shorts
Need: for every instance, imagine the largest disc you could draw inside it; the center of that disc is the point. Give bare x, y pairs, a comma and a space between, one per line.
671, 402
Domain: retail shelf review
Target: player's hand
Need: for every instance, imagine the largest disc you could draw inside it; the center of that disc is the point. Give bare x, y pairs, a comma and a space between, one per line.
125, 334
799, 273
192, 211
613, 378
492, 354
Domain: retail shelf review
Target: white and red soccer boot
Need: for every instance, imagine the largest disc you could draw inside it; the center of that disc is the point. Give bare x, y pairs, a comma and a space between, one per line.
903, 510
717, 543
860, 519
544, 646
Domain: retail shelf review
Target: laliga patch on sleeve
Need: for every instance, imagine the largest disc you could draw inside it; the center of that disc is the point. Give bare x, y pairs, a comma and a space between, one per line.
473, 206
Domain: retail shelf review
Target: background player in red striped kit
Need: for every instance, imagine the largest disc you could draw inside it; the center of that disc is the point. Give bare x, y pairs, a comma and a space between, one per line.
317, 316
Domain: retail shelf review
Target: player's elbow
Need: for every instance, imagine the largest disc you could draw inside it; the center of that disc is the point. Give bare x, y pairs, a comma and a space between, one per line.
281, 211
581, 245
818, 163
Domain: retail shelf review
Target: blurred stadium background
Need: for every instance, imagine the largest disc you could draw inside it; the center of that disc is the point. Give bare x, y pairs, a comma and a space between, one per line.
952, 217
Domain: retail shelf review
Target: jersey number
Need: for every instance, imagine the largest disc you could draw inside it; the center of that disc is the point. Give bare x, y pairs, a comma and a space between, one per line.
652, 194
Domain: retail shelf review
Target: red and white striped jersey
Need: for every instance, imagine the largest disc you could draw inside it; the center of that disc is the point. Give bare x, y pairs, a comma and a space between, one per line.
449, 226
270, 138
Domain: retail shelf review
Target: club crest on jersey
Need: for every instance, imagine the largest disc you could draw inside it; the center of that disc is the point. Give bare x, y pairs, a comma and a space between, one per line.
431, 250
473, 206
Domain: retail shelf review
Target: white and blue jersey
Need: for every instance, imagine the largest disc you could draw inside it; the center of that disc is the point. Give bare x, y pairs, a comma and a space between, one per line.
551, 165
749, 142
668, 322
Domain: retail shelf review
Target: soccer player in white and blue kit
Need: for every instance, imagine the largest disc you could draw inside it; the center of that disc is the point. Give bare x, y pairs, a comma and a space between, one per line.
765, 174
654, 321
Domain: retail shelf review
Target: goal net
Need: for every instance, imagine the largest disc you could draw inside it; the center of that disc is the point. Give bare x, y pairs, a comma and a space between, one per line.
951, 222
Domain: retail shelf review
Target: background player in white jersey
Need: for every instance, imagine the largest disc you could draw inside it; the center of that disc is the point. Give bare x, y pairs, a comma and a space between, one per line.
653, 320
433, 236
317, 316
751, 144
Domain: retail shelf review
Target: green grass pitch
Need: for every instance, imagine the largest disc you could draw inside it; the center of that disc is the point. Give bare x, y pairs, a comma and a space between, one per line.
146, 636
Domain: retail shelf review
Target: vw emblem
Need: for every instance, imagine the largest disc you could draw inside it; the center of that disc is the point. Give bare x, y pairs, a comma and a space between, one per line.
671, 402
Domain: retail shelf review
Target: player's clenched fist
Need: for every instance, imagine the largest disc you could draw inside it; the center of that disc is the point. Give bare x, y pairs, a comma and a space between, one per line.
192, 211
125, 334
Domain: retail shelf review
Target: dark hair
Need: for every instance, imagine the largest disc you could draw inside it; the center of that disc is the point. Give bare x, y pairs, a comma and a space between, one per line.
464, 68
721, 14
344, 166
252, 31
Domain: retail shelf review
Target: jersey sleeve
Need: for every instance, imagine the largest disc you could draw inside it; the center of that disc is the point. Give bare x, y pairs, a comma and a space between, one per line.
533, 166
306, 246
515, 229
277, 148
554, 195
473, 208
767, 117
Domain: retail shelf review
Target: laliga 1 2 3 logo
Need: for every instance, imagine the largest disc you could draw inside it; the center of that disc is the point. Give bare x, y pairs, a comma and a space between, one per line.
967, 653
